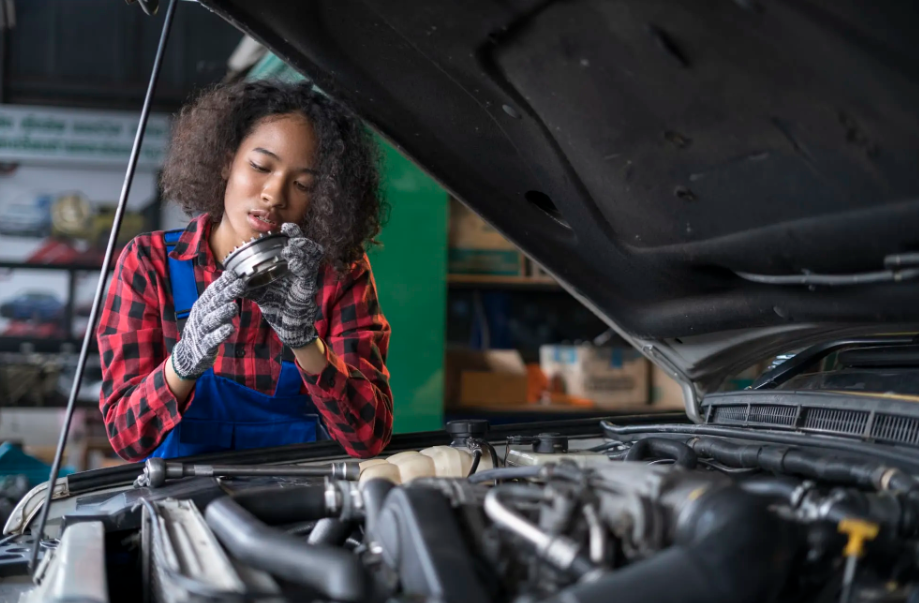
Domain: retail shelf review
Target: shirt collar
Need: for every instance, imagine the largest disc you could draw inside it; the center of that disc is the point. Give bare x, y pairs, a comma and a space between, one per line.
193, 243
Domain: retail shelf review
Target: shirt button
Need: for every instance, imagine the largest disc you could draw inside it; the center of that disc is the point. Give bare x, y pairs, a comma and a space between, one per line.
240, 352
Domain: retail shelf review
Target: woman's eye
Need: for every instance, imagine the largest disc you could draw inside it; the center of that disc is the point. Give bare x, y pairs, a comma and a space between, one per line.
303, 187
257, 167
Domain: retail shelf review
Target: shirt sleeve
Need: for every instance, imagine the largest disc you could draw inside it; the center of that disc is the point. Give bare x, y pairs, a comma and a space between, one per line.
352, 393
136, 403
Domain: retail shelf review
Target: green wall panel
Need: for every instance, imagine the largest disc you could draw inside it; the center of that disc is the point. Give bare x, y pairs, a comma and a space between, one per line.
410, 270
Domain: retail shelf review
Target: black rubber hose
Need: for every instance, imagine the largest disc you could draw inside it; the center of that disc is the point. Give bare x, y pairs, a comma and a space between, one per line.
333, 532
804, 463
780, 488
476, 457
730, 548
374, 493
662, 448
505, 473
279, 506
334, 572
897, 457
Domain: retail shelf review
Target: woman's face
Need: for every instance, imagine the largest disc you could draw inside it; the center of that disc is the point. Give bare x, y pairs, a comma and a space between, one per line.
268, 181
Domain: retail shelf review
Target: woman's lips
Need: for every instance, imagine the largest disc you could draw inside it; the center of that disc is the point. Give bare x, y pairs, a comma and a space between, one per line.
257, 221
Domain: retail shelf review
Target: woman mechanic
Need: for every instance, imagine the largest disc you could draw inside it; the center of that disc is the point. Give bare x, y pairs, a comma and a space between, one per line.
191, 362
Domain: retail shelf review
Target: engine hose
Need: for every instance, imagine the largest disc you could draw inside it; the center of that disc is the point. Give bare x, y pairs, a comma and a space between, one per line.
333, 532
896, 511
279, 506
777, 488
476, 457
373, 493
730, 548
662, 448
897, 457
804, 463
333, 571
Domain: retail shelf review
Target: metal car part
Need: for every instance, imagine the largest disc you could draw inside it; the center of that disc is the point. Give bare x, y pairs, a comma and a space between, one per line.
560, 551
184, 551
331, 571
420, 539
157, 471
258, 261
76, 570
30, 504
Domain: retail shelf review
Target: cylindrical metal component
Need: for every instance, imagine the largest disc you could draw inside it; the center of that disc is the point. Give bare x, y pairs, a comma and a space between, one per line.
157, 471
259, 261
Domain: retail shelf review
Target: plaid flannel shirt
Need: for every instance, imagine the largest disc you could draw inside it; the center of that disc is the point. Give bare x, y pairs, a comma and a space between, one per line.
138, 326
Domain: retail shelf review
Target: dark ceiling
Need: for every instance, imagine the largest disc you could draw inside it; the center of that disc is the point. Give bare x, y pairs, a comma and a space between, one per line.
98, 54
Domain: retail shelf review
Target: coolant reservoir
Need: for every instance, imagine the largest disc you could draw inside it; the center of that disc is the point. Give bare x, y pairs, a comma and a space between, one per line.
381, 470
437, 461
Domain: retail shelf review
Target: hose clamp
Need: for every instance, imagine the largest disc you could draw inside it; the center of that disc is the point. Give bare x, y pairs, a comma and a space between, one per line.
886, 477
333, 500
560, 552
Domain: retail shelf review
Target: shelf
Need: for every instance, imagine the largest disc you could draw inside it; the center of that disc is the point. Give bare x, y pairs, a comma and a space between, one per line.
45, 345
55, 267
486, 281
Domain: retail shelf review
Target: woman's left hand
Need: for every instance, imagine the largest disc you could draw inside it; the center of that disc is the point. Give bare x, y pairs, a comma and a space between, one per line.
289, 304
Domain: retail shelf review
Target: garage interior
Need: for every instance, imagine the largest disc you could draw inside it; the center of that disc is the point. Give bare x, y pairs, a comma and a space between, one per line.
480, 330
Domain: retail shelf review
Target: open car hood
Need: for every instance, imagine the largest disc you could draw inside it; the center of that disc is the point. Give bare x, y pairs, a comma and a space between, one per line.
657, 157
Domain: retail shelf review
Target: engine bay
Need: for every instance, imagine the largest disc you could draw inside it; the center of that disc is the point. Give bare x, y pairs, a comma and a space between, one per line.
547, 517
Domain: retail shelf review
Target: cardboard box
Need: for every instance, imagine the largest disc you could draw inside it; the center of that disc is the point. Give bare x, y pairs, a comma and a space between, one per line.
665, 392
608, 376
489, 378
477, 248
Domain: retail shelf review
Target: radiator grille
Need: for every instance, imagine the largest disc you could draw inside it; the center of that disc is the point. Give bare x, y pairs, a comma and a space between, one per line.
730, 414
763, 414
896, 429
772, 415
884, 427
835, 420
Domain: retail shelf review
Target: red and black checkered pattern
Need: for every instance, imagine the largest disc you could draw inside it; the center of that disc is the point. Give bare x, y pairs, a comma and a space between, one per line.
138, 328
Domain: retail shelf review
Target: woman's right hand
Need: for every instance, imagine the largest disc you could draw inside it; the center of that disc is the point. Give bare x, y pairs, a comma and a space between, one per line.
209, 324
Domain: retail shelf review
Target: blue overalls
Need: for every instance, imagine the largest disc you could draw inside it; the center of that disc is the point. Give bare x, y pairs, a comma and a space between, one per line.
225, 415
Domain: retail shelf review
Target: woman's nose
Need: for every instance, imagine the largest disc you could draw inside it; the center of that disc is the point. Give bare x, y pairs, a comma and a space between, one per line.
273, 193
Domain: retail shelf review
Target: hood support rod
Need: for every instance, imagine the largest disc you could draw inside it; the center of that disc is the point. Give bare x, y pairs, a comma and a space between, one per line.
103, 276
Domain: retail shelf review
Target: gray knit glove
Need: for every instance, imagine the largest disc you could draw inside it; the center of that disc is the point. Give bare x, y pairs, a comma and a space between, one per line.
289, 304
209, 324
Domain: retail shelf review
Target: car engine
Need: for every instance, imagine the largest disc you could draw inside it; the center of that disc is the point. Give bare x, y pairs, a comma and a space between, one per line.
667, 518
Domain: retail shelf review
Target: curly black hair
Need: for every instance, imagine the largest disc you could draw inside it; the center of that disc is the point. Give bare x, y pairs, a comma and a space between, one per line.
346, 210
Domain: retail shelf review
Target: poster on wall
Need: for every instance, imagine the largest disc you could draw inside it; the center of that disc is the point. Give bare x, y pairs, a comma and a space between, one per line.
61, 174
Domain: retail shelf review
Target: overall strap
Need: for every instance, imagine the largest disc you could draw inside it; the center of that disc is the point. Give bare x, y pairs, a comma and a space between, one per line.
181, 280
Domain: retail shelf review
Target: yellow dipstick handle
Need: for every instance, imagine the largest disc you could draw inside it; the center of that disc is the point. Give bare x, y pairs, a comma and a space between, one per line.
859, 532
